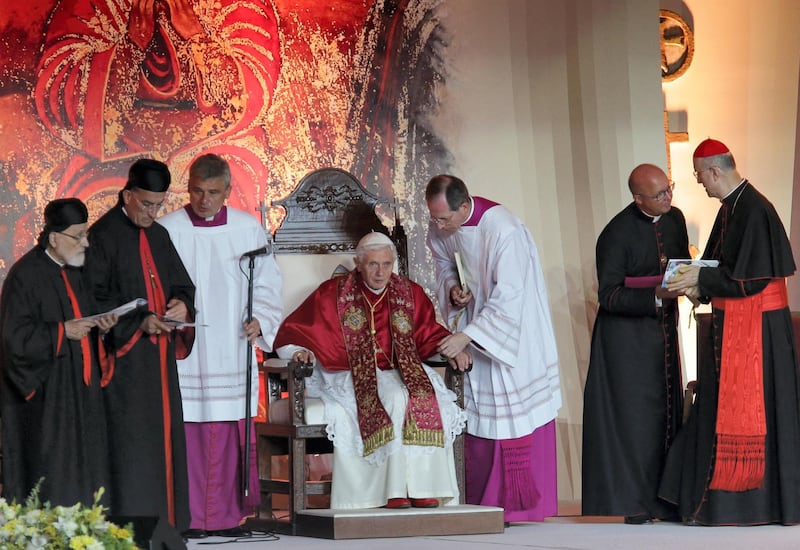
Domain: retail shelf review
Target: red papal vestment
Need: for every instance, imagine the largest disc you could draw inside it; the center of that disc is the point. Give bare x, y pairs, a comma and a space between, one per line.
393, 468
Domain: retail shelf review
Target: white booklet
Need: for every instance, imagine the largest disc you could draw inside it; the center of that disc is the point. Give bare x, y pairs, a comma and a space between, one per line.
674, 265
121, 310
462, 280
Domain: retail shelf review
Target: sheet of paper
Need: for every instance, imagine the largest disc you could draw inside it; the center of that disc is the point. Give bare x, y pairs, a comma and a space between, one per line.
121, 310
180, 324
674, 265
461, 277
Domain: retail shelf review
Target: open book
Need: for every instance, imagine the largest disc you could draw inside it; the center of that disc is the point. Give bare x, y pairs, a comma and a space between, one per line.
673, 267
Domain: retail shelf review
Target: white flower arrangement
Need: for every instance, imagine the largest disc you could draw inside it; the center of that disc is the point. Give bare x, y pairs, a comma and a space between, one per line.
34, 526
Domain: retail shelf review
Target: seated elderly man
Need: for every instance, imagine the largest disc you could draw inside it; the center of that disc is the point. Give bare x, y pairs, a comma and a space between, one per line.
391, 419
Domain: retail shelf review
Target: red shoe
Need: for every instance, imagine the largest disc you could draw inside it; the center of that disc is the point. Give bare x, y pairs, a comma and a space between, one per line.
425, 502
397, 503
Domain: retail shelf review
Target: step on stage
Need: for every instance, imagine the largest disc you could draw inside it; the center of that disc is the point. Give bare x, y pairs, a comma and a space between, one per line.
463, 519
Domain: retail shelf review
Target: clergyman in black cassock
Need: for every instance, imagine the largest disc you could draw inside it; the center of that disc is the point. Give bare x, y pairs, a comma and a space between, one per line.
133, 257
53, 419
735, 461
633, 395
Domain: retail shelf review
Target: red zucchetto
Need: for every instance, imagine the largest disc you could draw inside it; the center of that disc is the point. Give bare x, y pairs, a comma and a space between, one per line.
710, 148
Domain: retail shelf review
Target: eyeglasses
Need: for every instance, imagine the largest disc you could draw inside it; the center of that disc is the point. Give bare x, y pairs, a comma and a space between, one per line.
147, 205
698, 172
661, 194
443, 221
447, 219
79, 237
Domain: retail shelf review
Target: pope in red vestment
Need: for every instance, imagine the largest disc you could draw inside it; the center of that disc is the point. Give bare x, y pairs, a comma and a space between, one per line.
390, 417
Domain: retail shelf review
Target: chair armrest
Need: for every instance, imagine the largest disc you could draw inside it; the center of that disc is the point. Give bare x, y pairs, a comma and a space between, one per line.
275, 365
437, 361
453, 378
282, 368
278, 371
301, 370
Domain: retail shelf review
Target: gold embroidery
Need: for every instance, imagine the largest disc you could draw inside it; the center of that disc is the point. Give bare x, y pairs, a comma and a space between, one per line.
414, 435
378, 439
355, 318
401, 322
423, 423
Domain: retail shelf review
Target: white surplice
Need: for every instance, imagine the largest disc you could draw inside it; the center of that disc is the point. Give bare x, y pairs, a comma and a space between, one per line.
213, 376
514, 385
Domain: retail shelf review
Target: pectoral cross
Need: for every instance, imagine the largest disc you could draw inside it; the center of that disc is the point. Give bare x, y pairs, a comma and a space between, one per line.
152, 277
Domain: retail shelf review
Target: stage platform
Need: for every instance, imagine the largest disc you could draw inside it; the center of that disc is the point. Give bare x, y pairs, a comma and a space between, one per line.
328, 523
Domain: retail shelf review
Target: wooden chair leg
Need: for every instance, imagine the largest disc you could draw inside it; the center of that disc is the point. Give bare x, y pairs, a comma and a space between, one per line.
458, 453
297, 462
455, 381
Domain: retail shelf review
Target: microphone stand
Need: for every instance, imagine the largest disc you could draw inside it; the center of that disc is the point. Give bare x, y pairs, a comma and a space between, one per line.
249, 391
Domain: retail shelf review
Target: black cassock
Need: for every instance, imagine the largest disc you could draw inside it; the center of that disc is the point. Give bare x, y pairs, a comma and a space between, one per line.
751, 245
143, 400
59, 432
633, 395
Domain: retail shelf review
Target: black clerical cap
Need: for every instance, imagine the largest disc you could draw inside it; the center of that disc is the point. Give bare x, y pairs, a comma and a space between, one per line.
148, 174
59, 214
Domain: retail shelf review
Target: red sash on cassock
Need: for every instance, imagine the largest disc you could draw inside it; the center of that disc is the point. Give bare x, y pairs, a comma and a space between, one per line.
741, 427
423, 422
86, 351
158, 304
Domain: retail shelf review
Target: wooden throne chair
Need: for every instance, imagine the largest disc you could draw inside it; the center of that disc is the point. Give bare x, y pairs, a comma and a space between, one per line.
326, 215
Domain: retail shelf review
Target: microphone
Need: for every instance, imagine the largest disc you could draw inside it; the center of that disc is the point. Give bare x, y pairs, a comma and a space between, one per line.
258, 252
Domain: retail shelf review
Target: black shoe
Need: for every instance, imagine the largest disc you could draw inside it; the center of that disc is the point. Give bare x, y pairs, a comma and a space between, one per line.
194, 534
639, 519
233, 532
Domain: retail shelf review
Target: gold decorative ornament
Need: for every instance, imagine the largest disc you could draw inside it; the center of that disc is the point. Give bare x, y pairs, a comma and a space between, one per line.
401, 322
355, 318
677, 45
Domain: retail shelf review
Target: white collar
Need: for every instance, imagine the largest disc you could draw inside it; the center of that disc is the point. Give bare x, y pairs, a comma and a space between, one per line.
654, 218
52, 258
732, 190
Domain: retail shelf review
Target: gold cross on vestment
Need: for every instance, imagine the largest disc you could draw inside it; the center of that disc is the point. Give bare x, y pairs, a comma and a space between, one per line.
152, 275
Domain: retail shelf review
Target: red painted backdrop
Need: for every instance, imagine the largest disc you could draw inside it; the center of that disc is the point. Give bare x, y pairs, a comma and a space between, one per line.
278, 88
